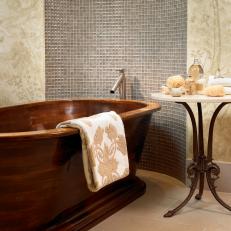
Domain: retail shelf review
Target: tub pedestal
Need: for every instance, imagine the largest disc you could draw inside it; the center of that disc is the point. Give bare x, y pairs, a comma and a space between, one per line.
100, 206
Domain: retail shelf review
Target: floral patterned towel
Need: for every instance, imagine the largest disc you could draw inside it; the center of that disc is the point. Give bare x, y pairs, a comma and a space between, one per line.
104, 148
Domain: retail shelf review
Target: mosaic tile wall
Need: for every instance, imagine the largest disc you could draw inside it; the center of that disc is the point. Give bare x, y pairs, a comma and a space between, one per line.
88, 40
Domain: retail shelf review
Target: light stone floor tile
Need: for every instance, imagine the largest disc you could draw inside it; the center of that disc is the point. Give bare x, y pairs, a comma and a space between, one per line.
164, 193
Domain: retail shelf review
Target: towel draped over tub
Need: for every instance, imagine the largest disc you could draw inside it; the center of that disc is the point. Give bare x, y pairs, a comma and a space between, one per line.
104, 148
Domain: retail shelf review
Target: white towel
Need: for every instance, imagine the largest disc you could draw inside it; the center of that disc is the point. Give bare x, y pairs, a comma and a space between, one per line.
226, 82
104, 148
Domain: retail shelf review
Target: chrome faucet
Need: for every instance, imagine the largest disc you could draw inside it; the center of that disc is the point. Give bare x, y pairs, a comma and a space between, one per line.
121, 84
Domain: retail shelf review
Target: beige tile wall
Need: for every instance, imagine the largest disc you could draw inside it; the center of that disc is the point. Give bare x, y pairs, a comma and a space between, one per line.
209, 33
22, 75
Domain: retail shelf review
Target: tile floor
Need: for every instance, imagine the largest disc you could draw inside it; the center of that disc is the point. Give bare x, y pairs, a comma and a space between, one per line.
163, 193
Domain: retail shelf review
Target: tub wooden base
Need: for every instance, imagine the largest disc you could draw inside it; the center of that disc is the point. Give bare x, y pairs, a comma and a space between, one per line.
100, 206
42, 181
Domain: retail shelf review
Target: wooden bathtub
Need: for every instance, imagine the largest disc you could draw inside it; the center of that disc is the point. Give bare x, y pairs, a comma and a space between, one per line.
42, 182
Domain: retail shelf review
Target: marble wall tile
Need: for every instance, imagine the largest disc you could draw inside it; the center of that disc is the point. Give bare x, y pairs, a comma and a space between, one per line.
22, 51
208, 38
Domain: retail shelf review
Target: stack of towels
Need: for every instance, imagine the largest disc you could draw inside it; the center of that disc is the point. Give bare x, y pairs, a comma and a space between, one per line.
225, 82
104, 148
218, 86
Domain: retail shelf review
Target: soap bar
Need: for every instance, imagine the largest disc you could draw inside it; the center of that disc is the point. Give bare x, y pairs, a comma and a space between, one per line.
165, 90
227, 90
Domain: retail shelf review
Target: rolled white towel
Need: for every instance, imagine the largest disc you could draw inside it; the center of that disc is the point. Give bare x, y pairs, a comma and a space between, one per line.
227, 90
226, 82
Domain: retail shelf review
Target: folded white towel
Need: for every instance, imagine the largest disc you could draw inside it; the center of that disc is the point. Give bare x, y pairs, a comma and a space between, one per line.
104, 148
226, 82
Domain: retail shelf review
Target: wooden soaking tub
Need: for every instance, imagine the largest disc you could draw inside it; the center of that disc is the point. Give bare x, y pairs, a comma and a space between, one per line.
42, 182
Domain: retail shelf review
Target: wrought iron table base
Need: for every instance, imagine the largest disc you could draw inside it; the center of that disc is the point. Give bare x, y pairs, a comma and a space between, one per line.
202, 165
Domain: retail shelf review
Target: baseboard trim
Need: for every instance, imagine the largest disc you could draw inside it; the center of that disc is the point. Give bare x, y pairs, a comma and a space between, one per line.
223, 183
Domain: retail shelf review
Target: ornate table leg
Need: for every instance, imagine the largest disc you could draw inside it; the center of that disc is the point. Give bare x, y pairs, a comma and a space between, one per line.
202, 179
201, 156
213, 170
193, 169
194, 176
201, 164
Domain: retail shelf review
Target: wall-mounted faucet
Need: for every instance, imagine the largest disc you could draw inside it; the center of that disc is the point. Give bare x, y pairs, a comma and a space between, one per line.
121, 84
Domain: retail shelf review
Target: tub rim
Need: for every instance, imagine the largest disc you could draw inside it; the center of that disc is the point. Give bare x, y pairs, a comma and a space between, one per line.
60, 132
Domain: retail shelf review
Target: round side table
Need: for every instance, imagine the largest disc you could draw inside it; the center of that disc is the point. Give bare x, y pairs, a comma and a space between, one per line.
202, 164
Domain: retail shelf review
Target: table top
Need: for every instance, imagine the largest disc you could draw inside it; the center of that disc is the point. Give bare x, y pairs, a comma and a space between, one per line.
191, 98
